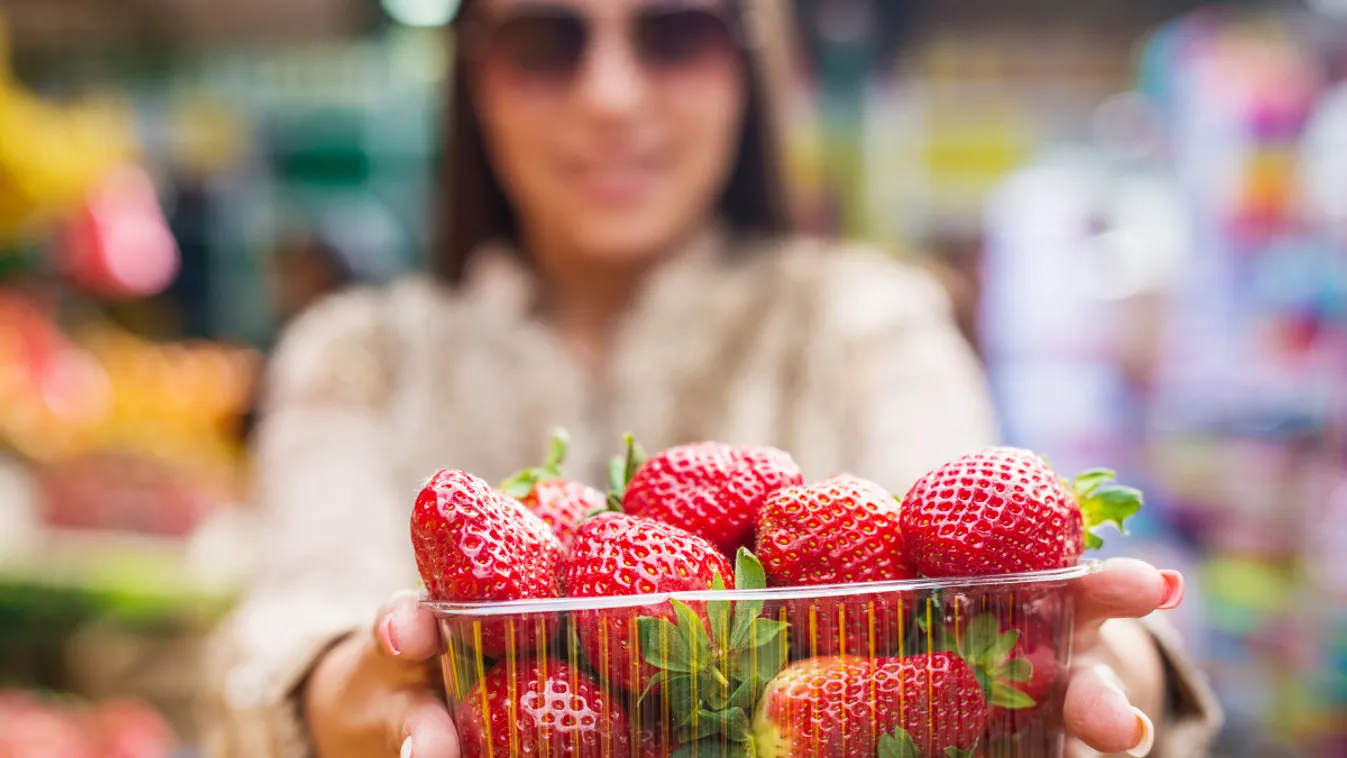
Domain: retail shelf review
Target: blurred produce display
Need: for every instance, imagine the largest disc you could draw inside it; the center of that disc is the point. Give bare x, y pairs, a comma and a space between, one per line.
50, 154
1199, 326
48, 727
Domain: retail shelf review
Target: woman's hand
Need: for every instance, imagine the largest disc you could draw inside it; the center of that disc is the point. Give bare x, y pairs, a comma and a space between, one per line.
1117, 680
371, 695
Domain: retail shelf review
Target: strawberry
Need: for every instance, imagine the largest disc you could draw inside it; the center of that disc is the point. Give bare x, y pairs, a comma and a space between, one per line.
708, 488
475, 544
654, 742
841, 530
1015, 657
707, 659
852, 707
615, 554
541, 707
562, 504
1004, 510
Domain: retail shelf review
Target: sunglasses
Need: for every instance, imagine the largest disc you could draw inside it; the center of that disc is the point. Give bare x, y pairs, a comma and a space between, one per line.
550, 41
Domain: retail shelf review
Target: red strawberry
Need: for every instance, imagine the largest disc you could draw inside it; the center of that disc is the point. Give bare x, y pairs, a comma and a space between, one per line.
544, 708
1003, 511
655, 742
476, 544
1015, 655
562, 504
841, 530
710, 489
852, 707
618, 554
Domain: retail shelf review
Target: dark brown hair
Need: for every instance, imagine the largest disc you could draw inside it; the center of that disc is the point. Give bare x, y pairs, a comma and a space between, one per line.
473, 208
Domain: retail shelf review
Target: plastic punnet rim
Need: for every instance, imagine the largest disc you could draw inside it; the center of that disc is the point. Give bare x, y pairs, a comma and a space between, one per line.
571, 604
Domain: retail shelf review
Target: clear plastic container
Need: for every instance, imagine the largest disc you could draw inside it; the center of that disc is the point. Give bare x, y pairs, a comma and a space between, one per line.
913, 668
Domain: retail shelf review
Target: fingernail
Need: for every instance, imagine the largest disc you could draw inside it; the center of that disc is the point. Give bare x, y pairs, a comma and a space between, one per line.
1110, 677
406, 748
386, 639
1173, 590
1144, 742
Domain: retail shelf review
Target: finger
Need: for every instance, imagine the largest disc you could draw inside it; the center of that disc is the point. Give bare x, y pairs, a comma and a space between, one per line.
1098, 714
420, 727
1077, 749
1124, 588
406, 631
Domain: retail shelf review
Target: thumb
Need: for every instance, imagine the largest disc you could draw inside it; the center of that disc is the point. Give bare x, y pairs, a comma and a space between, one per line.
419, 726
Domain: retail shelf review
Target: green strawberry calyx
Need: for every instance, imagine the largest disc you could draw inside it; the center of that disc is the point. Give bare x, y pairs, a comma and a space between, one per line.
522, 483
901, 745
1103, 501
987, 650
621, 468
712, 681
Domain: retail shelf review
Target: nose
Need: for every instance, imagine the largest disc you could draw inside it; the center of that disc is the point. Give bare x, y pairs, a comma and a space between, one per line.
612, 82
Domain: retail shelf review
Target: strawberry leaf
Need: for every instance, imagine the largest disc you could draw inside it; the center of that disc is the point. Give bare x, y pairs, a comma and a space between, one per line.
1103, 501
664, 645
765, 630
1018, 670
679, 691
746, 696
694, 634
733, 723
996, 654
726, 671
712, 748
760, 666
718, 613
897, 745
556, 453
1108, 504
984, 678
748, 571
1004, 696
748, 575
981, 635
655, 682
714, 688
522, 483
1089, 481
621, 469
747, 616
941, 640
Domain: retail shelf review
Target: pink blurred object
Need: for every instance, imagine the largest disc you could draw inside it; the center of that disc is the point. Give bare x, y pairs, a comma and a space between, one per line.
121, 728
34, 729
130, 729
119, 244
120, 492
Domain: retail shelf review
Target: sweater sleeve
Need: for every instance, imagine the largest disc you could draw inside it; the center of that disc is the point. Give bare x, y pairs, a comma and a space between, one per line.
1193, 715
919, 397
333, 543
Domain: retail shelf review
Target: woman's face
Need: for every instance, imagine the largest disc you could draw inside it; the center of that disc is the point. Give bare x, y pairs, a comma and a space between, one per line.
612, 124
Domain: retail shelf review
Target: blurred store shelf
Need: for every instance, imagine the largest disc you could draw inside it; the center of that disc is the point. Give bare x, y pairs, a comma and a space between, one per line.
130, 576
44, 24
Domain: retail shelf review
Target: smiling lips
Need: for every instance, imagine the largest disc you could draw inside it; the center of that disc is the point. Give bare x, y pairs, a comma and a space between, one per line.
612, 182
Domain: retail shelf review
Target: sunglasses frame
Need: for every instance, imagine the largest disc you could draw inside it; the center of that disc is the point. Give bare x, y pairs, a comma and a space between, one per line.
474, 31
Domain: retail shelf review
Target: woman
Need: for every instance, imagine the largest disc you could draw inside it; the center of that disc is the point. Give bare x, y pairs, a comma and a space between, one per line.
615, 259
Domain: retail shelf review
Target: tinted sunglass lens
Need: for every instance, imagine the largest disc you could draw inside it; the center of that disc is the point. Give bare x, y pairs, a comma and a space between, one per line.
545, 44
682, 36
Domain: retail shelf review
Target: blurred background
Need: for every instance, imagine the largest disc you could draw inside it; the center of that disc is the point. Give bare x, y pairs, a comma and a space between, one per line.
1140, 207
